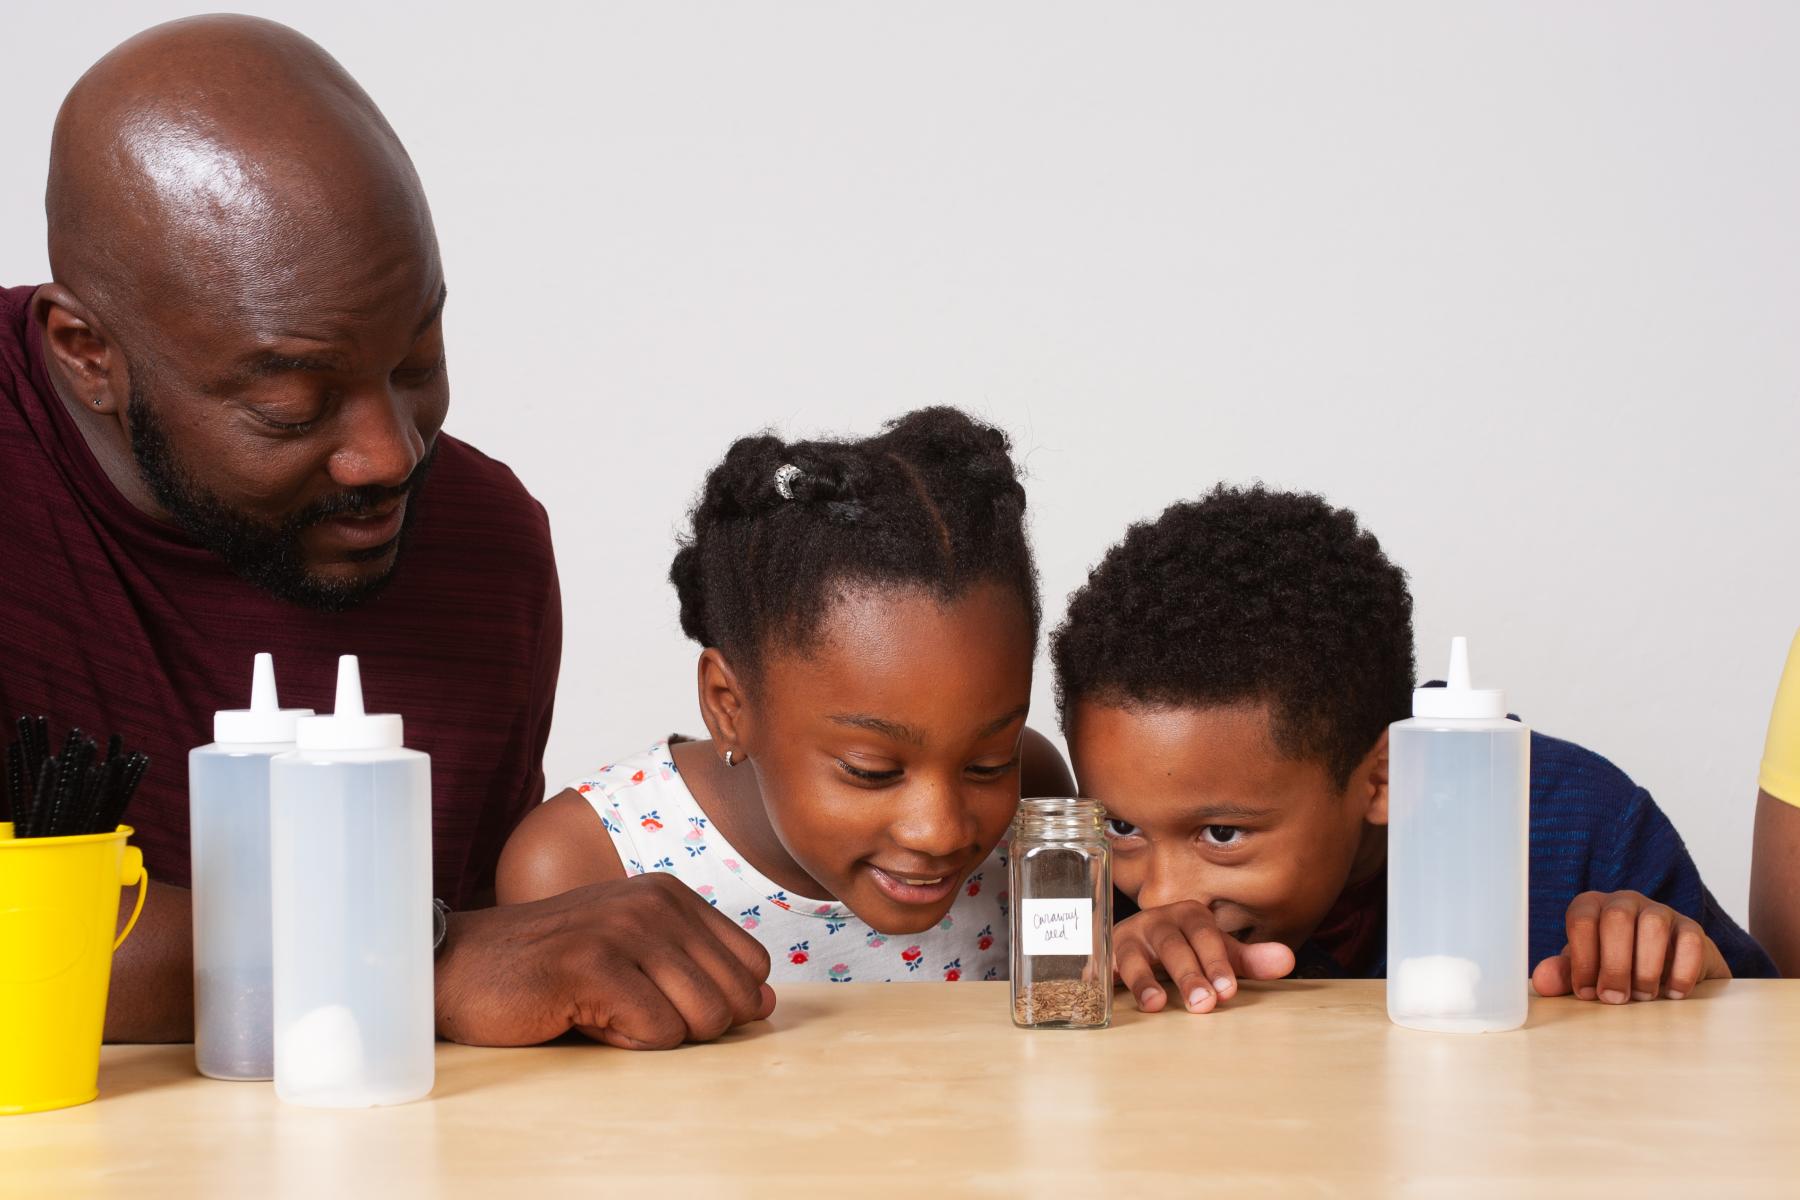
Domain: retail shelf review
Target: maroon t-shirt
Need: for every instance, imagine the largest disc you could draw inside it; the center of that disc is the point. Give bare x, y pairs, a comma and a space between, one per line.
115, 622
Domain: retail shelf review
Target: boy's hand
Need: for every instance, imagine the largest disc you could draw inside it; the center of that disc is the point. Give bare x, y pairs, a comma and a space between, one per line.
1625, 946
641, 963
1184, 941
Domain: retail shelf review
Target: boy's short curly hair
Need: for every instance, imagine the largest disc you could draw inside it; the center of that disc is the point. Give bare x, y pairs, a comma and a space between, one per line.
1248, 595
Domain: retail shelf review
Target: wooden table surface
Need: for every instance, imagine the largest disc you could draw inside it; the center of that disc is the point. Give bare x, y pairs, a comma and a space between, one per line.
1299, 1088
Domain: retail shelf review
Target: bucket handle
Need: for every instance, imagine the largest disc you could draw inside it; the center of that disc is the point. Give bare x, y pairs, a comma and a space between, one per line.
133, 873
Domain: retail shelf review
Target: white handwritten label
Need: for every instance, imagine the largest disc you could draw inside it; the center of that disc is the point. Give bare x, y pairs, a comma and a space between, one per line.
1056, 926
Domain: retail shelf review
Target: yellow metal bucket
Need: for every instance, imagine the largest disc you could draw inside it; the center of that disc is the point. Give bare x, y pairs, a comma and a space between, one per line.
59, 905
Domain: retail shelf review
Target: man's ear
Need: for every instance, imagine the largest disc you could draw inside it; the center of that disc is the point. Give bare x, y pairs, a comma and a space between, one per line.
87, 359
723, 705
1371, 780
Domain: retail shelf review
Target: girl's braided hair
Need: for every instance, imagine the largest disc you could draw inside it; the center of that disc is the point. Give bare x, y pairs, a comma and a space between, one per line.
933, 501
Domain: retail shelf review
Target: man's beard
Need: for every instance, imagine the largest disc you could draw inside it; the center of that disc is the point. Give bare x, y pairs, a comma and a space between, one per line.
267, 555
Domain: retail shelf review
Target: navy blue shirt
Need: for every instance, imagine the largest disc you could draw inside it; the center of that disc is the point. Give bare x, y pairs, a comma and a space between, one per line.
1593, 830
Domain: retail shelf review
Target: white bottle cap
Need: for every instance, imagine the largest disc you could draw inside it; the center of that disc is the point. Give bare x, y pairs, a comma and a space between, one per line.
350, 728
265, 720
1456, 699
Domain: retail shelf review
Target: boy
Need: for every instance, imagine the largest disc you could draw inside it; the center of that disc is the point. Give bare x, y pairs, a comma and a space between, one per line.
1226, 678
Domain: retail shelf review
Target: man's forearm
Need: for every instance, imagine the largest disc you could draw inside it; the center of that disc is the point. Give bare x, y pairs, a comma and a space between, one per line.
151, 998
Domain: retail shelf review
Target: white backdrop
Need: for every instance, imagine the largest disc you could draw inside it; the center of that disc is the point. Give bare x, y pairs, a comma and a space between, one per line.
1516, 282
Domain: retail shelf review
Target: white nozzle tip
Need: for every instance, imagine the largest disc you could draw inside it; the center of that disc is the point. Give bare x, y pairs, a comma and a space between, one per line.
351, 728
265, 721
1458, 698
1458, 678
349, 688
262, 685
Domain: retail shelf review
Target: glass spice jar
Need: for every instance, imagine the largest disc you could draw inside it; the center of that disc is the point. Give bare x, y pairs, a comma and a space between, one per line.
1061, 877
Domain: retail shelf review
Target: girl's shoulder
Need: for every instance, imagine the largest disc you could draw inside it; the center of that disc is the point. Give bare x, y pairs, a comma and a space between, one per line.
639, 793
654, 820
653, 771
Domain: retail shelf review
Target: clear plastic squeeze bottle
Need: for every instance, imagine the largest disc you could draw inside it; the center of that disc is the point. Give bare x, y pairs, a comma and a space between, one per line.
1458, 855
228, 834
351, 856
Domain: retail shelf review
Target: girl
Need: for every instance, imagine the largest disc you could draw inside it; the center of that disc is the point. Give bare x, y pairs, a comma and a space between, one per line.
868, 615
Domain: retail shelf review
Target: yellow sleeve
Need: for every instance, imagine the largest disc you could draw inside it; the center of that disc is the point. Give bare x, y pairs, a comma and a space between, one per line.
1780, 775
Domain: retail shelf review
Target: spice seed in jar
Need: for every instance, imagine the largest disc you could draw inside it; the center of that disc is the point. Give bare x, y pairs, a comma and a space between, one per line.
1060, 1002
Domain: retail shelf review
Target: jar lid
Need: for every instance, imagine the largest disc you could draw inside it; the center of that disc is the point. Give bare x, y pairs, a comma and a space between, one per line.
1057, 817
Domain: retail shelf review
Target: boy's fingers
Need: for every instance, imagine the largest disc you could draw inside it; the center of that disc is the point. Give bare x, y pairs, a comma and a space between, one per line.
1137, 971
1618, 945
1582, 924
1655, 930
1552, 976
1687, 965
1183, 968
1214, 951
1716, 966
1261, 960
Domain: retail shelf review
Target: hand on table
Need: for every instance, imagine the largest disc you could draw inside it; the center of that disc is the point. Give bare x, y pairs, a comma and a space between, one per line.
640, 963
1182, 942
1625, 946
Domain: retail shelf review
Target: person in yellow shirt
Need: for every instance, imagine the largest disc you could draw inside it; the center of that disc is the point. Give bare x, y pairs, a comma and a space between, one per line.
1775, 857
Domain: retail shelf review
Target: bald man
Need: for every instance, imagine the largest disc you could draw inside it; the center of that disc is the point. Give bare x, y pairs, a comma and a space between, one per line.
220, 433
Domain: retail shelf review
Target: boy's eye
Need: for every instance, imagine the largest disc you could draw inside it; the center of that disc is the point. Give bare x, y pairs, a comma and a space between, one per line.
1122, 829
1223, 835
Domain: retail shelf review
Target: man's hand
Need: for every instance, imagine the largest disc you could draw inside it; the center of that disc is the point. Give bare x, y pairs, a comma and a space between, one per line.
1183, 941
641, 963
1625, 946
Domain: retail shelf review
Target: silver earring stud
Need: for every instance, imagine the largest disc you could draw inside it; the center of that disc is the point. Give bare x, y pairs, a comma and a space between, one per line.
728, 761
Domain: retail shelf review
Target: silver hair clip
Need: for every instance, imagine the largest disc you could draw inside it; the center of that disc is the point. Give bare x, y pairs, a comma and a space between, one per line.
784, 480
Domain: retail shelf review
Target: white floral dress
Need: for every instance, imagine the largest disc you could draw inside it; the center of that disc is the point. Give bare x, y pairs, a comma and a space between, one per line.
656, 825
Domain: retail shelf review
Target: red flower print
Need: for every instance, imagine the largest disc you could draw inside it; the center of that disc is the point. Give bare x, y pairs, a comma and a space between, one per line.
637, 777
651, 823
584, 789
797, 957
910, 953
984, 943
952, 975
974, 887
